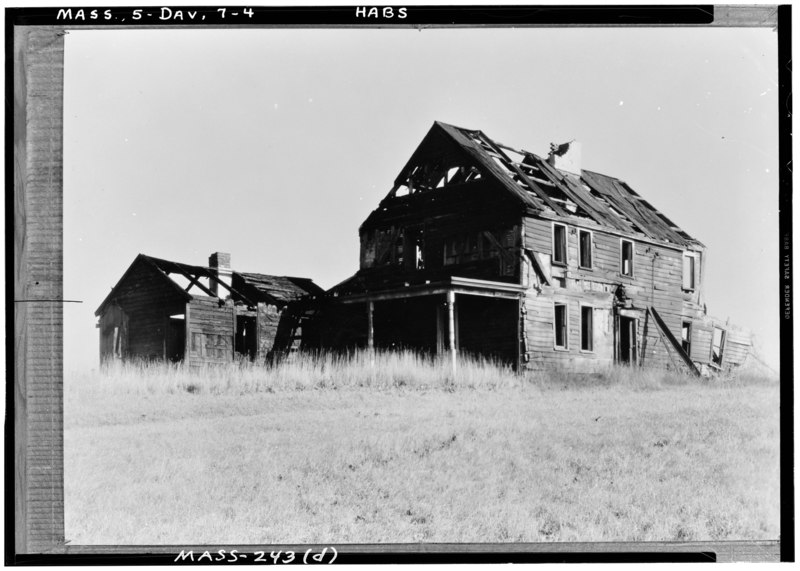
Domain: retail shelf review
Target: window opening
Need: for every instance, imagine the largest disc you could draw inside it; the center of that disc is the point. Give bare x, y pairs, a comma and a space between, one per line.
559, 244
686, 337
587, 329
626, 258
689, 271
560, 326
585, 249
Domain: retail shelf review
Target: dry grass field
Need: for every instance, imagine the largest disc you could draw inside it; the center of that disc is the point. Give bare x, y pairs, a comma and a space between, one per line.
331, 450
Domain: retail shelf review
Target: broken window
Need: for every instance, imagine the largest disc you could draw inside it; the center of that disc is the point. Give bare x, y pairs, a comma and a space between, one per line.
587, 328
717, 346
559, 244
626, 258
689, 271
686, 337
585, 249
560, 325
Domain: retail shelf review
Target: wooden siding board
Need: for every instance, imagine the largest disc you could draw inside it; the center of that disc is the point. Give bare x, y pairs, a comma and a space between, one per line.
210, 331
656, 282
268, 319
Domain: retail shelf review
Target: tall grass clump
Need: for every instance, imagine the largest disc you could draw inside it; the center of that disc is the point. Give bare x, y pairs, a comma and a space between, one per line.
382, 370
300, 372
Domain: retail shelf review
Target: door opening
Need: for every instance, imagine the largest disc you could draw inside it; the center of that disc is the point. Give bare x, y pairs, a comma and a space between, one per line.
245, 344
627, 340
176, 338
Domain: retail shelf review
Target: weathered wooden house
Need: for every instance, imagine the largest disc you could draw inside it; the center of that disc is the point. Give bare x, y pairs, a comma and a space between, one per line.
162, 310
486, 249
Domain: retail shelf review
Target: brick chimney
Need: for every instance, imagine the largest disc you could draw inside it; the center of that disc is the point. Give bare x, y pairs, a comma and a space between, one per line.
220, 264
566, 157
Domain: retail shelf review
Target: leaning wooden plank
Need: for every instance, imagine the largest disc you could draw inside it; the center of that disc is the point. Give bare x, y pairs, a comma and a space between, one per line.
673, 341
538, 266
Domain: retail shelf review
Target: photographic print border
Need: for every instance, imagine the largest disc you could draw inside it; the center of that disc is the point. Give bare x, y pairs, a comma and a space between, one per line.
34, 272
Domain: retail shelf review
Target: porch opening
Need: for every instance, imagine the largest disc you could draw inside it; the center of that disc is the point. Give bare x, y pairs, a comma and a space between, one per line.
488, 327
406, 323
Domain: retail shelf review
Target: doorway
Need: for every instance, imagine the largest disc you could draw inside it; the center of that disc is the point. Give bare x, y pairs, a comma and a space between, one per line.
627, 340
245, 343
176, 338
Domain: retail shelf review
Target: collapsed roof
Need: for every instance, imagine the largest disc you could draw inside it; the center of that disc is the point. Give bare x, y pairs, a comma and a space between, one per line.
190, 281
452, 155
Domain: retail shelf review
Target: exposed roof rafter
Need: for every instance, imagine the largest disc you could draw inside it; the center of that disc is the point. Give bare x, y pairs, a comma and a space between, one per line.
536, 184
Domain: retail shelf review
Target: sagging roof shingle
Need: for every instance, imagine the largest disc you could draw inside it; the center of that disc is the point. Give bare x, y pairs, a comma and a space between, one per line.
280, 288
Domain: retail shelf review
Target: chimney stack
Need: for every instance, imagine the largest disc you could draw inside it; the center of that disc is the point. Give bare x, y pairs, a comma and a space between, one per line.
220, 264
566, 157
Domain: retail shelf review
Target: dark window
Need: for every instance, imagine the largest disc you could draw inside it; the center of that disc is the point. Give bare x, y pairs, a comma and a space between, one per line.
461, 249
689, 271
474, 246
559, 244
626, 258
587, 329
585, 249
560, 325
686, 337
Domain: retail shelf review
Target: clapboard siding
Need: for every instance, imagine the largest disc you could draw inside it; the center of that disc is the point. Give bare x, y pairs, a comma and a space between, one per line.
539, 337
735, 353
210, 330
656, 282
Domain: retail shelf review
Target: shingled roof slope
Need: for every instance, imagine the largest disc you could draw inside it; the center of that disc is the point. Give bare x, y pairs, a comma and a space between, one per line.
540, 187
282, 288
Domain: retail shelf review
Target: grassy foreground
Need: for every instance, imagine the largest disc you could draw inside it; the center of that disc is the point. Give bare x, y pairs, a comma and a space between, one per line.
330, 450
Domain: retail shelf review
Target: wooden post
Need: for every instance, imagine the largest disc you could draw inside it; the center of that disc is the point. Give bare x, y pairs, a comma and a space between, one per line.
370, 328
187, 334
370, 332
451, 328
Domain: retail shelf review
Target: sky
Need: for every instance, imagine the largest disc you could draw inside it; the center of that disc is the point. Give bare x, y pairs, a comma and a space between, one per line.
274, 145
